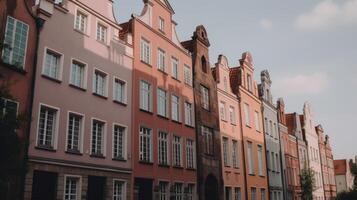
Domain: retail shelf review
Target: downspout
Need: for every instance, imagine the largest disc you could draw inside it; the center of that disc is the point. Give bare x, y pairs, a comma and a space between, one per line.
243, 145
39, 24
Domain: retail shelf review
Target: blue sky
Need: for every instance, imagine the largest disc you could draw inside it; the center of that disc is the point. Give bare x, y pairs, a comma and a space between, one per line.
309, 48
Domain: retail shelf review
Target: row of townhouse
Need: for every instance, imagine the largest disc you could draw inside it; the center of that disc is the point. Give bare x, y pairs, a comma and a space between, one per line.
127, 111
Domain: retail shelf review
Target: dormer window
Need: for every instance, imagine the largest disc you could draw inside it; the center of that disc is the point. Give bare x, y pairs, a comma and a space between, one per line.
204, 64
249, 82
161, 24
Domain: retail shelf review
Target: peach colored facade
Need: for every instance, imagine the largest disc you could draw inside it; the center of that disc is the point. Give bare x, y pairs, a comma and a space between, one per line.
230, 127
252, 129
161, 120
81, 128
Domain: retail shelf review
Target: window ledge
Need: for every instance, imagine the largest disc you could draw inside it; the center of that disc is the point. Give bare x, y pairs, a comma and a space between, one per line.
163, 117
119, 159
251, 174
145, 63
162, 71
97, 156
120, 103
77, 87
164, 165
74, 152
176, 79
177, 167
99, 95
146, 162
51, 78
191, 169
189, 126
146, 111
13, 67
177, 122
45, 148
80, 32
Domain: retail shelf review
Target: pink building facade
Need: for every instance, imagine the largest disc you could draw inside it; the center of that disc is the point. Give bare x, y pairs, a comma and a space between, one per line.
230, 127
164, 144
81, 129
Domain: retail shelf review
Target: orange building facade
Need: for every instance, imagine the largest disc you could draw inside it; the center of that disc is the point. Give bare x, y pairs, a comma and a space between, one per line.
231, 136
164, 144
252, 129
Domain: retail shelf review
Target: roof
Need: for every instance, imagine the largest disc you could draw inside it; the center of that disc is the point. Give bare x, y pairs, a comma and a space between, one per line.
340, 167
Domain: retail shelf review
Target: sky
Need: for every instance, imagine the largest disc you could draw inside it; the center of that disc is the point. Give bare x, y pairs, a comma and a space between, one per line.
308, 46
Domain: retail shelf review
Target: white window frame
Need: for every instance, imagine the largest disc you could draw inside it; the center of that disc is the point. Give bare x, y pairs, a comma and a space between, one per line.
166, 99
26, 44
56, 131
81, 136
222, 110
86, 24
189, 114
125, 93
232, 115
188, 75
7, 100
144, 43
79, 187
167, 190
251, 166
60, 65
191, 147
85, 74
260, 160
106, 33
208, 135
124, 188
181, 197
150, 96
257, 121
246, 109
225, 147
167, 155
125, 142
193, 197
174, 152
205, 97
150, 157
178, 104
162, 24
235, 154
175, 71
106, 78
161, 60
104, 136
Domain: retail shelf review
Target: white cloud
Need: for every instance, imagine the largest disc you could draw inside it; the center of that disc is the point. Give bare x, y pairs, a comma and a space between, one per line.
266, 24
328, 14
301, 84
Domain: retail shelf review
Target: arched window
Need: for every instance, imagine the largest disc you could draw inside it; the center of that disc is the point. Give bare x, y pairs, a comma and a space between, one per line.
204, 64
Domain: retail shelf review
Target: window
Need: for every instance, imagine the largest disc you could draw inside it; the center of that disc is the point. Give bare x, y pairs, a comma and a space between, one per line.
74, 132
188, 75
145, 96
161, 24
72, 188
208, 135
249, 82
163, 148
191, 192
277, 163
273, 161
237, 194
260, 160
175, 108
100, 83
253, 194
266, 125
119, 142
271, 128
175, 68
235, 154
232, 115
162, 102
78, 71
275, 131
263, 194
101, 33
189, 114
15, 42
204, 64
190, 154
205, 97
145, 52
222, 110
177, 151
145, 145
178, 191
161, 60
247, 114
225, 152
119, 190
250, 158
228, 193
163, 190
268, 160
47, 127
97, 138
257, 121
119, 91
81, 22
52, 64
8, 108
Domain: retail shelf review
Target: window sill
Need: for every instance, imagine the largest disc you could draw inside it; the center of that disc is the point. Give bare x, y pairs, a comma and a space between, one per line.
176, 79
97, 156
251, 174
164, 165
51, 78
177, 122
189, 126
145, 63
13, 67
146, 162
162, 71
188, 85
81, 32
248, 126
163, 117
119, 159
120, 103
146, 111
99, 95
77, 87
191, 169
177, 167
104, 43
73, 152
45, 148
